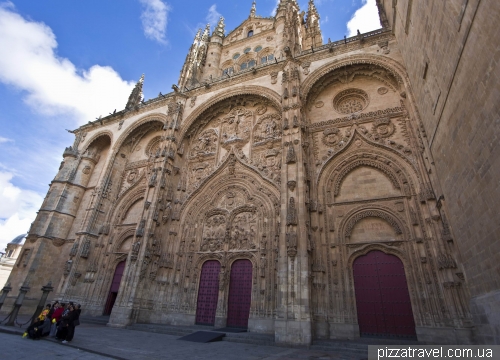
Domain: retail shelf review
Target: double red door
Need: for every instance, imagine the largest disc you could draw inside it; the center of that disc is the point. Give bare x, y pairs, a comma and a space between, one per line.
240, 294
382, 297
115, 287
208, 293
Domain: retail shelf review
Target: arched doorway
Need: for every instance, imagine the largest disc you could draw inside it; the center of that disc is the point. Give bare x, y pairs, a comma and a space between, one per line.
240, 294
115, 287
208, 293
382, 297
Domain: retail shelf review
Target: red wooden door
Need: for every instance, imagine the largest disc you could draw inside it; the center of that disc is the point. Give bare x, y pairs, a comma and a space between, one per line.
208, 293
115, 287
382, 297
240, 294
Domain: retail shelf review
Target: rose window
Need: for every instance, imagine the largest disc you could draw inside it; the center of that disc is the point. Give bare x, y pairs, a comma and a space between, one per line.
350, 101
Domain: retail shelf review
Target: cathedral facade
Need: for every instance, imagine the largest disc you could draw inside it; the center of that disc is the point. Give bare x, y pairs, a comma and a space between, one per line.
281, 187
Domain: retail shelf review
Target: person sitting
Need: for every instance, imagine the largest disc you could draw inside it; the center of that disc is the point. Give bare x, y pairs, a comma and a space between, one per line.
36, 329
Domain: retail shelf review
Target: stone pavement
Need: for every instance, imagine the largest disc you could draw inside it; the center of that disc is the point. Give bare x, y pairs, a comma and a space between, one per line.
136, 345
16, 348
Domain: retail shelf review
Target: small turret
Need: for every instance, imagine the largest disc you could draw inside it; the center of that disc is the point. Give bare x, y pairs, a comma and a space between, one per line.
136, 96
206, 33
312, 31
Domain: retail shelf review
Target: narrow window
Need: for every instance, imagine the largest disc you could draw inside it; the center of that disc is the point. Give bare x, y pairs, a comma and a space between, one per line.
270, 57
251, 63
408, 16
250, 33
10, 253
426, 68
263, 60
243, 66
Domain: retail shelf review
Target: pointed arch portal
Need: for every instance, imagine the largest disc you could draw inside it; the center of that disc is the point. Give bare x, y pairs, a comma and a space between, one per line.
115, 287
382, 297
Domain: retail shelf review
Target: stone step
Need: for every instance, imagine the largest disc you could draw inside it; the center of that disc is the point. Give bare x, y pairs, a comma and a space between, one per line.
246, 338
354, 351
97, 320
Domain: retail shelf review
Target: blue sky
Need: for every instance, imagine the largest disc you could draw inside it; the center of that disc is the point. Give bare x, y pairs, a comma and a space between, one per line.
64, 63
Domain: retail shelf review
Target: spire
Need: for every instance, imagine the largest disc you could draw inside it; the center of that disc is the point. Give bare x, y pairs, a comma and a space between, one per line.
198, 36
136, 95
206, 33
253, 11
220, 29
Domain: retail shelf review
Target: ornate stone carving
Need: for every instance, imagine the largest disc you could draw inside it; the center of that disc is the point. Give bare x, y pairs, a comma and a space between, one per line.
331, 137
350, 101
268, 127
291, 185
206, 144
291, 216
291, 243
85, 249
291, 157
236, 127
383, 128
214, 232
370, 213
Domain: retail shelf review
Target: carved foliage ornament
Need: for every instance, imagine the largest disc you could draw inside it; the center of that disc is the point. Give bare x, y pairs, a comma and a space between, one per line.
383, 127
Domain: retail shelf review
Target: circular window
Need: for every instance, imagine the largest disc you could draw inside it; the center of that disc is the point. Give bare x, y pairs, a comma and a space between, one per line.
235, 56
257, 49
247, 50
350, 101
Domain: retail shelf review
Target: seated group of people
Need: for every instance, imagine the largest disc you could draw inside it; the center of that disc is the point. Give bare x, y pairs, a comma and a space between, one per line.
57, 320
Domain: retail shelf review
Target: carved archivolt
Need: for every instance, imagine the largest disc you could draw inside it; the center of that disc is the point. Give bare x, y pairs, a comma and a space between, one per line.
343, 172
90, 141
125, 235
391, 67
378, 153
263, 92
155, 117
152, 146
360, 213
349, 226
125, 203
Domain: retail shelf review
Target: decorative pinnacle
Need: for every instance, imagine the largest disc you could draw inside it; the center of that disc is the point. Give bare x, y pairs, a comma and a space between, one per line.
198, 36
220, 29
206, 33
253, 11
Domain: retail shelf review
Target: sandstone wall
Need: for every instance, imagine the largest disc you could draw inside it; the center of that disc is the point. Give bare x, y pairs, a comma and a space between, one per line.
451, 50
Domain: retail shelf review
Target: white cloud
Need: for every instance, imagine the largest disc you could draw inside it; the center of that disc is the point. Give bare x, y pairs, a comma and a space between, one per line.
365, 19
17, 209
28, 61
4, 140
213, 15
155, 19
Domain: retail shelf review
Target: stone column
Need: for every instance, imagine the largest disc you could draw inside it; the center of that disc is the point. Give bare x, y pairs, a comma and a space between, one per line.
46, 290
293, 324
19, 302
5, 291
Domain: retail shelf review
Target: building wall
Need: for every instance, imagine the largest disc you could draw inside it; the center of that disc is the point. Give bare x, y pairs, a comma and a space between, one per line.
451, 50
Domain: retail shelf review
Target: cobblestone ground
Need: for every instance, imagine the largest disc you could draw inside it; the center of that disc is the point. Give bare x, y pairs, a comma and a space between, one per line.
136, 345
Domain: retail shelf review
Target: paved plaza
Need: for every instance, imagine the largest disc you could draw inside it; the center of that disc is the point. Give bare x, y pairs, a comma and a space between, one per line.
100, 342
